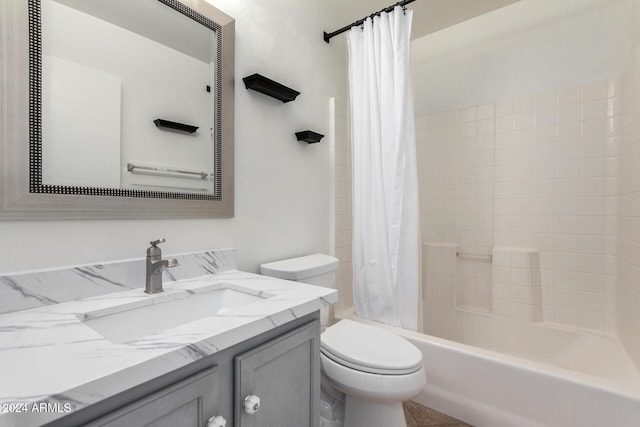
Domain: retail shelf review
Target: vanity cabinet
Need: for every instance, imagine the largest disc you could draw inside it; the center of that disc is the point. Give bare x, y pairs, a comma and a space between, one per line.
187, 403
280, 367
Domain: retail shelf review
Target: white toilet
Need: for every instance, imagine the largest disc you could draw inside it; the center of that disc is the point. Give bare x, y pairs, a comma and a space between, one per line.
374, 368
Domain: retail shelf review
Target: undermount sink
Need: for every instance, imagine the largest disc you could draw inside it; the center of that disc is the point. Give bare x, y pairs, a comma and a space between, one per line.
154, 314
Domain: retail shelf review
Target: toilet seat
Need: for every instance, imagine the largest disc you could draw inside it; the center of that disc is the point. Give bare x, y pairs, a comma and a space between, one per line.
369, 349
365, 385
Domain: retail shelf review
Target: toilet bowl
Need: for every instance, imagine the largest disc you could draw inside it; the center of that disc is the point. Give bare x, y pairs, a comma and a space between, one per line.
374, 368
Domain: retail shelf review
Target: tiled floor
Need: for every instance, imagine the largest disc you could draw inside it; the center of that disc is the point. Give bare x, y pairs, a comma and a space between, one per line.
421, 416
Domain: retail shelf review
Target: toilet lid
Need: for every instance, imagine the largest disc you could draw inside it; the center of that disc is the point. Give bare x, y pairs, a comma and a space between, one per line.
370, 349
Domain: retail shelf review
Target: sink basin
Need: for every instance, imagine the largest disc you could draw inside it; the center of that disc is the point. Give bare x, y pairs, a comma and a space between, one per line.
154, 314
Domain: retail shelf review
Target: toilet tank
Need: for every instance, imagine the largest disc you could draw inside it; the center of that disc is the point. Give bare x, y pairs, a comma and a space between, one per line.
317, 269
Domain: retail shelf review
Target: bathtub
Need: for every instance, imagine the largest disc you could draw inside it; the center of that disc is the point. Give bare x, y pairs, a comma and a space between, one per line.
520, 374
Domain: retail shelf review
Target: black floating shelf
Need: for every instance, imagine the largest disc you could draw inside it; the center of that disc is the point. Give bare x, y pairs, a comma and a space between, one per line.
267, 86
309, 136
167, 124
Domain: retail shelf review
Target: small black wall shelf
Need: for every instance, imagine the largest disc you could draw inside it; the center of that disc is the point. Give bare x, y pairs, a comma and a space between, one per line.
269, 87
167, 124
309, 136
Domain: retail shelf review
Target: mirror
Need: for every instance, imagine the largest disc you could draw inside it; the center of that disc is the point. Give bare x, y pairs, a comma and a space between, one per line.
130, 109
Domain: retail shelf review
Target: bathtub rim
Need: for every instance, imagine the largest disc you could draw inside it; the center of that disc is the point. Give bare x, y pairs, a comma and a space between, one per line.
623, 389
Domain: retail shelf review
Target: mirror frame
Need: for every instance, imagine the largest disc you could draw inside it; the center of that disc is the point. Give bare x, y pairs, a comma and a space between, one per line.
22, 195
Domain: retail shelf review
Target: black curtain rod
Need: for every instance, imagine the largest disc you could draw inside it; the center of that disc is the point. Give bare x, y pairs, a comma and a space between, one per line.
328, 36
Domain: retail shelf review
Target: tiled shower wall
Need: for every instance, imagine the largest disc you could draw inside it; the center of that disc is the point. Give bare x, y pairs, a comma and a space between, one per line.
628, 244
342, 221
536, 173
566, 181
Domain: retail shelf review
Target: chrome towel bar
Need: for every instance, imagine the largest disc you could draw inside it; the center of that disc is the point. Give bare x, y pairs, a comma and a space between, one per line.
477, 257
160, 170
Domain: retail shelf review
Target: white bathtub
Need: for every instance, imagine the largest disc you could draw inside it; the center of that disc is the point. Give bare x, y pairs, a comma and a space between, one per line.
534, 375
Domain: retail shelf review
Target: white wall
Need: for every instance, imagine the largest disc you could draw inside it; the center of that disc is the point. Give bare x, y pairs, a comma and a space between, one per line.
529, 47
282, 186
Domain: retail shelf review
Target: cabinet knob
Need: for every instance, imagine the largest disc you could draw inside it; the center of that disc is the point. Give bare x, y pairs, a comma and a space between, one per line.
251, 404
216, 422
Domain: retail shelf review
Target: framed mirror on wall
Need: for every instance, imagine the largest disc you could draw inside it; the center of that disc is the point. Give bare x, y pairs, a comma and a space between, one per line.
116, 109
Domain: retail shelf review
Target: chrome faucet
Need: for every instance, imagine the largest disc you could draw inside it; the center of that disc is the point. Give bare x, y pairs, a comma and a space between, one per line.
155, 267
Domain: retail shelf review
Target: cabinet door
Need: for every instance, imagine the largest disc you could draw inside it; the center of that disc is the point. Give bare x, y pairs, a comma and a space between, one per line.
187, 403
285, 374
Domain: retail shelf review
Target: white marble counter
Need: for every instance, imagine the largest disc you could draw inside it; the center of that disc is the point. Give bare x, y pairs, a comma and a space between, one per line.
49, 356
24, 290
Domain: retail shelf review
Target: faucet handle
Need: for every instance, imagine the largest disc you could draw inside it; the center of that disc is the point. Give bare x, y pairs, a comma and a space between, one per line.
155, 243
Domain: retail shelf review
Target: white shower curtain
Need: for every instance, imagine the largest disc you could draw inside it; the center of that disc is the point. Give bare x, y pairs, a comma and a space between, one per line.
386, 272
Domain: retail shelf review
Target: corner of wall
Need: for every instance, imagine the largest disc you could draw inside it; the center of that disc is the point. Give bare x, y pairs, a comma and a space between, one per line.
628, 236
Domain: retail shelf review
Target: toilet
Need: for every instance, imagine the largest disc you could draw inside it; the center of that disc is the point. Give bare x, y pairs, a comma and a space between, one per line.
374, 368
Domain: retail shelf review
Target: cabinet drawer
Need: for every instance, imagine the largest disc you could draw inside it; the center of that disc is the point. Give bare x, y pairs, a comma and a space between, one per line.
190, 402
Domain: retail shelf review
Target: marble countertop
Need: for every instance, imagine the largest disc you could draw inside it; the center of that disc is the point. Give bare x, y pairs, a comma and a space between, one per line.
52, 363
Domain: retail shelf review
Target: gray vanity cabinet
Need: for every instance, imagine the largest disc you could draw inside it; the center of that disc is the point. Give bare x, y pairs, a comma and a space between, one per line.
281, 367
188, 403
284, 374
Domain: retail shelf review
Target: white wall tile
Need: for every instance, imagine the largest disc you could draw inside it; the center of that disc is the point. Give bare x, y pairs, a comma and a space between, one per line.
545, 134
566, 316
569, 113
595, 128
568, 206
546, 100
594, 109
570, 131
537, 172
595, 90
568, 150
547, 116
595, 187
568, 169
504, 124
523, 104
